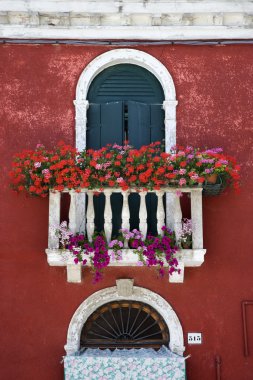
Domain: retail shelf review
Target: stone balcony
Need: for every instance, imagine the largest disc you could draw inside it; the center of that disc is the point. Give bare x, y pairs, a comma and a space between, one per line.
82, 220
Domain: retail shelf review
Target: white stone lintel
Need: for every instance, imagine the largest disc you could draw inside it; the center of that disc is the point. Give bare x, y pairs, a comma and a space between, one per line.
153, 7
153, 33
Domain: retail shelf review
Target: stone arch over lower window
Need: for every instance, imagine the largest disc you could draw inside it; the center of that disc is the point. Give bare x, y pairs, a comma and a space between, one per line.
125, 291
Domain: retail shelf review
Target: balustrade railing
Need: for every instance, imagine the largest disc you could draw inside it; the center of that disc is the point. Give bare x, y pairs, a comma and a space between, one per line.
82, 218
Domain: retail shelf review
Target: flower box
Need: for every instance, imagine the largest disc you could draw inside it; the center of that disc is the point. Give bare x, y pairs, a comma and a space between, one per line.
187, 258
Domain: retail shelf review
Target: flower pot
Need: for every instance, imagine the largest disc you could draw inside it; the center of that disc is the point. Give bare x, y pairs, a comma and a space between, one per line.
212, 178
186, 245
172, 183
211, 189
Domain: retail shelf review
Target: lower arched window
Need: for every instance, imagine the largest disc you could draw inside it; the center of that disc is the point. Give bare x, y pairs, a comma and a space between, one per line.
125, 324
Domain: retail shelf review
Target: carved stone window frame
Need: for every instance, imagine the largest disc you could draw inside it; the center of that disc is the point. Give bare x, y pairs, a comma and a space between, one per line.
125, 290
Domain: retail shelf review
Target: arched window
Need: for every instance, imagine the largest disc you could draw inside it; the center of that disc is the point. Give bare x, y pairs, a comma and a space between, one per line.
154, 69
125, 324
125, 103
116, 57
141, 302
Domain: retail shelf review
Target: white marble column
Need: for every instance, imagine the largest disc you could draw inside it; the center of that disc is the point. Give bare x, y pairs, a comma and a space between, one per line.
108, 215
125, 214
174, 213
196, 216
90, 216
160, 214
54, 218
143, 214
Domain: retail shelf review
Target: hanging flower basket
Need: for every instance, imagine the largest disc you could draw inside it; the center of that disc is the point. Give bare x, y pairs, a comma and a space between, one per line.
212, 189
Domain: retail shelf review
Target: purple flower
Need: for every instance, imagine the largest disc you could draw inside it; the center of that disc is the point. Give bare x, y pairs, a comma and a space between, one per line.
154, 251
213, 150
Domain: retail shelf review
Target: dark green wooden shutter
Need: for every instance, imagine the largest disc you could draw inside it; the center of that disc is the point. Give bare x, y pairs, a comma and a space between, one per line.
145, 125
94, 126
157, 130
112, 123
105, 124
138, 124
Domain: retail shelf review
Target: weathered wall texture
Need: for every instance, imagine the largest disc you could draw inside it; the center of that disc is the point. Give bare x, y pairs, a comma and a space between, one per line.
123, 12
214, 87
123, 19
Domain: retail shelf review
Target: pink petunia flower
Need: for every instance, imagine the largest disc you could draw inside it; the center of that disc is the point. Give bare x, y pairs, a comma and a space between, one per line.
182, 181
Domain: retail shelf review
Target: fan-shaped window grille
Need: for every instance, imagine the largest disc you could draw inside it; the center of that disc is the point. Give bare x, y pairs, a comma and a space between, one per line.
124, 324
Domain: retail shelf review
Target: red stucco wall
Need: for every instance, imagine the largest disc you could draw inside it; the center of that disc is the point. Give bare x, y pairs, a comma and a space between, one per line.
214, 87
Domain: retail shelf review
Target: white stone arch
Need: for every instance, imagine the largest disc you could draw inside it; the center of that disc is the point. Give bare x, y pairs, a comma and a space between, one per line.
115, 293
120, 56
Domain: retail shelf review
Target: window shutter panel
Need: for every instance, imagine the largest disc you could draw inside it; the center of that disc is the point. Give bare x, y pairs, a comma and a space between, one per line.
112, 132
105, 124
157, 130
138, 124
145, 125
157, 133
112, 123
138, 135
94, 126
106, 127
